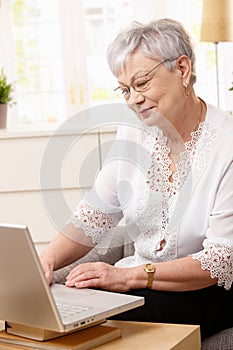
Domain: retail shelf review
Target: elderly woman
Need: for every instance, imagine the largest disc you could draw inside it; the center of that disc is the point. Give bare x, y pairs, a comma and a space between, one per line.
180, 211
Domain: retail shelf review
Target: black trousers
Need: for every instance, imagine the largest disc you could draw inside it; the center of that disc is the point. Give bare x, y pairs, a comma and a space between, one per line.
211, 308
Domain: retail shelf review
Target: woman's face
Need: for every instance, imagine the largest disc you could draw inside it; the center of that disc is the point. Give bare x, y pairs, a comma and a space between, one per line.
164, 96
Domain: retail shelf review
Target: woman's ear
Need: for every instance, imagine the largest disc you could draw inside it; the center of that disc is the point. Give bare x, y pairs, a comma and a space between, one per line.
184, 68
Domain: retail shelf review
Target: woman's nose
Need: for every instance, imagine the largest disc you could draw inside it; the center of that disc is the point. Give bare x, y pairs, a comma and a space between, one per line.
135, 97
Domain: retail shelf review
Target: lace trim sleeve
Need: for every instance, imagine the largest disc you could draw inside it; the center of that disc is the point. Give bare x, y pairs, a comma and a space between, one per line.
217, 257
95, 223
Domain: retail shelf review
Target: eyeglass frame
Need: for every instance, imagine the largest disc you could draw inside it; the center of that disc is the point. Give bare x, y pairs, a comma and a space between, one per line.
132, 85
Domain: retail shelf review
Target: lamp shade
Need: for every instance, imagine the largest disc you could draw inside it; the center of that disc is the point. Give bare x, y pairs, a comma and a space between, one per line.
217, 20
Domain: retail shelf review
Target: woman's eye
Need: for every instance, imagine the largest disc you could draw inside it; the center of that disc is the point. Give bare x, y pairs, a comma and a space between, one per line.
140, 84
124, 92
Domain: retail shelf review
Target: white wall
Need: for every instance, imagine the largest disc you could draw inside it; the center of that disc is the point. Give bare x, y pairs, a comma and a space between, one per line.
21, 197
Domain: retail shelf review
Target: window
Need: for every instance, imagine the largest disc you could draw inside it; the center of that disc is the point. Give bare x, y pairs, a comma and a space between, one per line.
102, 19
55, 51
39, 61
60, 65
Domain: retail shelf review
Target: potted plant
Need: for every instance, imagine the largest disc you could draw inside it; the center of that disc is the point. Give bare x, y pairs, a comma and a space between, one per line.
6, 90
231, 88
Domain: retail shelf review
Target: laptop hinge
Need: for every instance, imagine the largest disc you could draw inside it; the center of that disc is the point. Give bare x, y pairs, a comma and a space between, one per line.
32, 332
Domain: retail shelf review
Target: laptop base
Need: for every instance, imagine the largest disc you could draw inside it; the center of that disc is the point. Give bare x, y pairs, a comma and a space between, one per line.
40, 334
85, 339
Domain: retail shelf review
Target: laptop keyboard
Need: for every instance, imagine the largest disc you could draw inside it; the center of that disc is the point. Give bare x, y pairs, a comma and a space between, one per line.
67, 310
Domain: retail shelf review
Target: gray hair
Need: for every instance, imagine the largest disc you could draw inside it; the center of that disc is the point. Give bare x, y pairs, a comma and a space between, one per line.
160, 39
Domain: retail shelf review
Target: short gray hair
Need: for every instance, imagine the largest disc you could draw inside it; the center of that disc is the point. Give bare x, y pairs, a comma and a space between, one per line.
160, 39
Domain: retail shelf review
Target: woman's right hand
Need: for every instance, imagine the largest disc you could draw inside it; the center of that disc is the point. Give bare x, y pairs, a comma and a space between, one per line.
48, 269
62, 251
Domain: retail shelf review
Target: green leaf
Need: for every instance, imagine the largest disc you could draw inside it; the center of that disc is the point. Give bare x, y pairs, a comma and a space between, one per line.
6, 89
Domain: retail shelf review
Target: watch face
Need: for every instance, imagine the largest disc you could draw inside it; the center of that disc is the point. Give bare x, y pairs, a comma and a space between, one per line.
150, 267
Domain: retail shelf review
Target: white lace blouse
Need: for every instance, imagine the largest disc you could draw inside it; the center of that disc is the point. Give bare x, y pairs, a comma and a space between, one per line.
190, 215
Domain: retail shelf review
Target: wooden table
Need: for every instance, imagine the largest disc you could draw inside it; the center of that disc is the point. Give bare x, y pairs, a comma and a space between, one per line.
154, 336
146, 336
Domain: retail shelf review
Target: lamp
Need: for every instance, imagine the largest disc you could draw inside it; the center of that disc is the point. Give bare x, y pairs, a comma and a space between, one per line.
217, 26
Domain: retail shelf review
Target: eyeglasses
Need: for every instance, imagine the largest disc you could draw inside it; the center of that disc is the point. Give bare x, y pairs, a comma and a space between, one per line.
140, 84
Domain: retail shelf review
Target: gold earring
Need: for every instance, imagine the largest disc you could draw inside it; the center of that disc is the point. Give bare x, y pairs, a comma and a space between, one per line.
186, 91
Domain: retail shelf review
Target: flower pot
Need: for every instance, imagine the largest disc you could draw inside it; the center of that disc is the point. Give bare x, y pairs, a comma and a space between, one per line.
3, 115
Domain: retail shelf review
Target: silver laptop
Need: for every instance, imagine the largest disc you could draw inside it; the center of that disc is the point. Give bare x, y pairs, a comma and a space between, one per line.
31, 308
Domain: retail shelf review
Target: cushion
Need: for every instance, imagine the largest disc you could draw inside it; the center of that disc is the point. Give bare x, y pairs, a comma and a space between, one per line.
220, 341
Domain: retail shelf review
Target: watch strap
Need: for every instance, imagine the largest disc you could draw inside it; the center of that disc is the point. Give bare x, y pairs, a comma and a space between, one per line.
150, 270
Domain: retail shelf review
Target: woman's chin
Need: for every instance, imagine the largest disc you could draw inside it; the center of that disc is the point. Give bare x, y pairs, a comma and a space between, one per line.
151, 119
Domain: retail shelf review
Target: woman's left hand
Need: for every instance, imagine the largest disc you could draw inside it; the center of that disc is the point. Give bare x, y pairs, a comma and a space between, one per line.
100, 275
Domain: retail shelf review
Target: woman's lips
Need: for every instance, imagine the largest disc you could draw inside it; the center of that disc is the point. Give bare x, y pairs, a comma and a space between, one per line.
145, 112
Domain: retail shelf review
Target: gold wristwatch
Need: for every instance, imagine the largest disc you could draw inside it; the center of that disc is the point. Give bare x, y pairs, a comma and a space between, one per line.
150, 270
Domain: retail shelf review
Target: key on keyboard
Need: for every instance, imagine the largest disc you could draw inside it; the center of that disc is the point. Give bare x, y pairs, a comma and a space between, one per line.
67, 310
